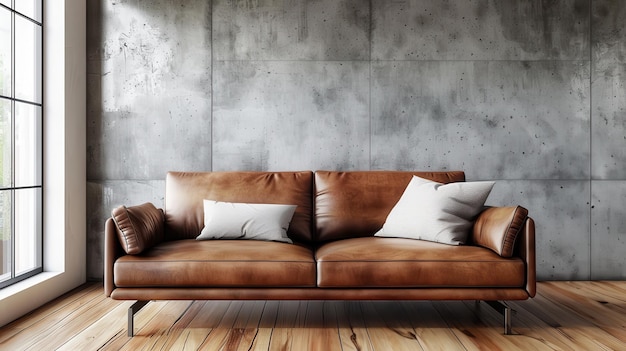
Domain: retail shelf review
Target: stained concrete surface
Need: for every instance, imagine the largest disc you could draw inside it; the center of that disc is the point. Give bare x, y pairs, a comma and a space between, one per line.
291, 115
493, 119
480, 30
608, 228
291, 30
153, 92
609, 90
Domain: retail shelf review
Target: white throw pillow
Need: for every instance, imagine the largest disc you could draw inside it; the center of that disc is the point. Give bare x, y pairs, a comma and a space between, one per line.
230, 220
436, 212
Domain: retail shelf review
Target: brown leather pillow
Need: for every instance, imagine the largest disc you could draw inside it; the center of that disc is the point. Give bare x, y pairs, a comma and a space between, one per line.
497, 228
138, 227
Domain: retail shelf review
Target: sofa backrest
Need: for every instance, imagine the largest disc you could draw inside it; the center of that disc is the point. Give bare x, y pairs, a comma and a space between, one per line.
356, 204
185, 192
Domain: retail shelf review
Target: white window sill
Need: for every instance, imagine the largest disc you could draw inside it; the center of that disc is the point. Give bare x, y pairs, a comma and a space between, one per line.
27, 284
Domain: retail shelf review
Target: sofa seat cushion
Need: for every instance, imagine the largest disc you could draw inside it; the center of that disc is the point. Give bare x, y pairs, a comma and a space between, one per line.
218, 263
404, 263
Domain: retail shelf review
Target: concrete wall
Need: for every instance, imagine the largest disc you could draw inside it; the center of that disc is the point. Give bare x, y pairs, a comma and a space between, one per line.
528, 93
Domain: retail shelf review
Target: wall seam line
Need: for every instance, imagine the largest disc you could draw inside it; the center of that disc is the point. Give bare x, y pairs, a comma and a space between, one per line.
212, 121
370, 86
590, 138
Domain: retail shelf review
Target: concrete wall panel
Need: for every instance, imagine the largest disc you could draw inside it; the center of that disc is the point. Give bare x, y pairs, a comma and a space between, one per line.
291, 30
291, 115
496, 119
608, 231
608, 217
609, 90
159, 134
155, 89
480, 30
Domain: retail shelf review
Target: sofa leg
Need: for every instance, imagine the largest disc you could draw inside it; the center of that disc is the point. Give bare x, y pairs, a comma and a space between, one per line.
132, 310
505, 311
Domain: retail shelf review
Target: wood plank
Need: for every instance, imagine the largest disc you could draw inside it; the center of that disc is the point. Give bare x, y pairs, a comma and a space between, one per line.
283, 328
431, 330
319, 329
246, 326
198, 328
352, 328
297, 334
619, 287
263, 337
251, 331
218, 337
388, 330
180, 328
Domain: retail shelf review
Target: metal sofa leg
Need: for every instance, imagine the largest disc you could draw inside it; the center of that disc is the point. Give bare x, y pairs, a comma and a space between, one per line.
132, 310
505, 311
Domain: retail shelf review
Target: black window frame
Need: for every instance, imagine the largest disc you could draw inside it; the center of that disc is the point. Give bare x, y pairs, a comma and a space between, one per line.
14, 277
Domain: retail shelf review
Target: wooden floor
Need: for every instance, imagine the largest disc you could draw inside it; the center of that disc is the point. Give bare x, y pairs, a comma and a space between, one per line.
563, 316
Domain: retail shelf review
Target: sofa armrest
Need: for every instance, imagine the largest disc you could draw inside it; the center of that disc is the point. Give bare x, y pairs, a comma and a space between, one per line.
497, 228
130, 230
138, 227
509, 232
112, 251
526, 250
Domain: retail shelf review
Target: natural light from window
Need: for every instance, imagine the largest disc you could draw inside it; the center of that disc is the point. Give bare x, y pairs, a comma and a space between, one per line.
21, 140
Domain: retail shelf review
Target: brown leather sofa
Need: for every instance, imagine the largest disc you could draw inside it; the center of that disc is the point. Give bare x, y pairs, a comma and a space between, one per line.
152, 254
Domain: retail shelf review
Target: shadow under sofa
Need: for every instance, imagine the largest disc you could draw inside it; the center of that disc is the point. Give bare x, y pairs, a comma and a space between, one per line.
153, 254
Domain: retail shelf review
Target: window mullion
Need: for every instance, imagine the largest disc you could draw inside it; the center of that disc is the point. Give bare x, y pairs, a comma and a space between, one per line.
12, 124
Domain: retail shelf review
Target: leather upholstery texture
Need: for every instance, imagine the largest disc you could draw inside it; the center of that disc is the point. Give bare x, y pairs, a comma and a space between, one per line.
356, 204
185, 192
376, 262
218, 263
497, 228
138, 227
185, 293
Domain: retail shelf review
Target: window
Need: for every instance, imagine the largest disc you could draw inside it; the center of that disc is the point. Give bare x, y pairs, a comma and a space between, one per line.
21, 140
